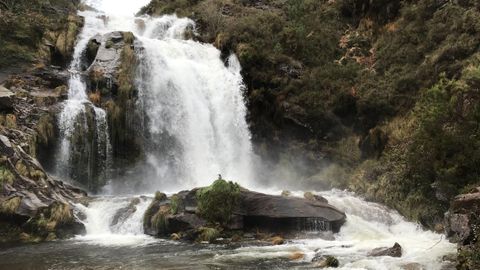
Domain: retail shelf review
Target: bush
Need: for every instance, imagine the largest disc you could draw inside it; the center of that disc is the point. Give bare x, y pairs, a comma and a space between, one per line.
217, 202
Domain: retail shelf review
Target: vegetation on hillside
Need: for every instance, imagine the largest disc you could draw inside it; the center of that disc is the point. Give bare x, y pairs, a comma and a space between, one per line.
23, 25
387, 91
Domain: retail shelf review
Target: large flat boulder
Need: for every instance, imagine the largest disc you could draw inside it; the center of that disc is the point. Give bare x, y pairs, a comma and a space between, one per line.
287, 213
255, 211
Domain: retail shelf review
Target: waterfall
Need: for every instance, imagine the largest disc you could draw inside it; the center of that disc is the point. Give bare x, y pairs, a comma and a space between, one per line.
85, 146
191, 104
195, 108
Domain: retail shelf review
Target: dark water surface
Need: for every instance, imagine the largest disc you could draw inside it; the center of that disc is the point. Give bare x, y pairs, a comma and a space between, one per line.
158, 255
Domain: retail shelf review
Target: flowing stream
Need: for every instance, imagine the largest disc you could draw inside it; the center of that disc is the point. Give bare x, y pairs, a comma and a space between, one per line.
194, 101
124, 246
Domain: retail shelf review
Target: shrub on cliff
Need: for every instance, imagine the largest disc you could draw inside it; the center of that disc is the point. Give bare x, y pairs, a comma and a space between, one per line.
217, 202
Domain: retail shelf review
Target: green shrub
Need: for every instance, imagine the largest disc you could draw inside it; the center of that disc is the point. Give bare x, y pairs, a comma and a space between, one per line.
217, 202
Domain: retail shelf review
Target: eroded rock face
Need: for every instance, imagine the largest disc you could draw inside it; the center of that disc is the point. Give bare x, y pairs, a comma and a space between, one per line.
112, 74
35, 203
32, 204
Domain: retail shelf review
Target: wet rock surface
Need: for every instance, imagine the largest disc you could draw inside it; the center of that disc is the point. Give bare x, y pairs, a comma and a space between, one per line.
395, 251
111, 86
255, 211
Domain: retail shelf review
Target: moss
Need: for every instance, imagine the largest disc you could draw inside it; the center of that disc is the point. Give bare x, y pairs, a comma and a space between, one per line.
217, 202
11, 121
176, 204
160, 196
45, 129
48, 220
10, 206
207, 234
160, 220
61, 213
6, 176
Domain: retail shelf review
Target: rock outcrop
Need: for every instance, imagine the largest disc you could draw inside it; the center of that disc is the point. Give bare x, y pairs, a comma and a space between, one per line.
112, 75
462, 227
255, 211
33, 205
30, 200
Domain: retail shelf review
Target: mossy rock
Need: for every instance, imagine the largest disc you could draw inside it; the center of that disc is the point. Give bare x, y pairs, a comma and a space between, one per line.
176, 204
45, 129
6, 176
207, 234
10, 205
160, 196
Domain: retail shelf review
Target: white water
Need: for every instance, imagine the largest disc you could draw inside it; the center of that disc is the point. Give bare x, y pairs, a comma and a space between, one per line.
99, 215
368, 226
193, 102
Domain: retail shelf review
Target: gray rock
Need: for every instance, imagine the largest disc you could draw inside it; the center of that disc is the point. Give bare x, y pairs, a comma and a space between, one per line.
395, 251
286, 213
124, 213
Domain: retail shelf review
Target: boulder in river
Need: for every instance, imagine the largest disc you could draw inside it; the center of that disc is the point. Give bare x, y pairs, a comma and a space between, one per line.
395, 251
252, 211
322, 261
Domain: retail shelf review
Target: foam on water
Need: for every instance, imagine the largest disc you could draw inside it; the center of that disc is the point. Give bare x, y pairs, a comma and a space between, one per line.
369, 225
99, 216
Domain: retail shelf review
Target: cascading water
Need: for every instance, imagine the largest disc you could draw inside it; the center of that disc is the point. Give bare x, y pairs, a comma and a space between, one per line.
195, 108
193, 105
115, 221
85, 147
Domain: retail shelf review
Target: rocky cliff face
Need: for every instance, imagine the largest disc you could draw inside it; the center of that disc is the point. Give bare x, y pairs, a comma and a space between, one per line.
112, 75
33, 205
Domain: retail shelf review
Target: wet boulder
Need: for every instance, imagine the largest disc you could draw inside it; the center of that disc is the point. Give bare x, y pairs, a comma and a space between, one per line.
124, 213
395, 251
111, 86
322, 261
463, 217
232, 208
165, 216
6, 99
280, 213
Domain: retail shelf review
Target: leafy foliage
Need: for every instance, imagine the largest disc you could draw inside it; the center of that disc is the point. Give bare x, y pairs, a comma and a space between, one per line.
217, 202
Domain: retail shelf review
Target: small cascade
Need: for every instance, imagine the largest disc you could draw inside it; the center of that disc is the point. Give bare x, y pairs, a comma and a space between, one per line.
115, 221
